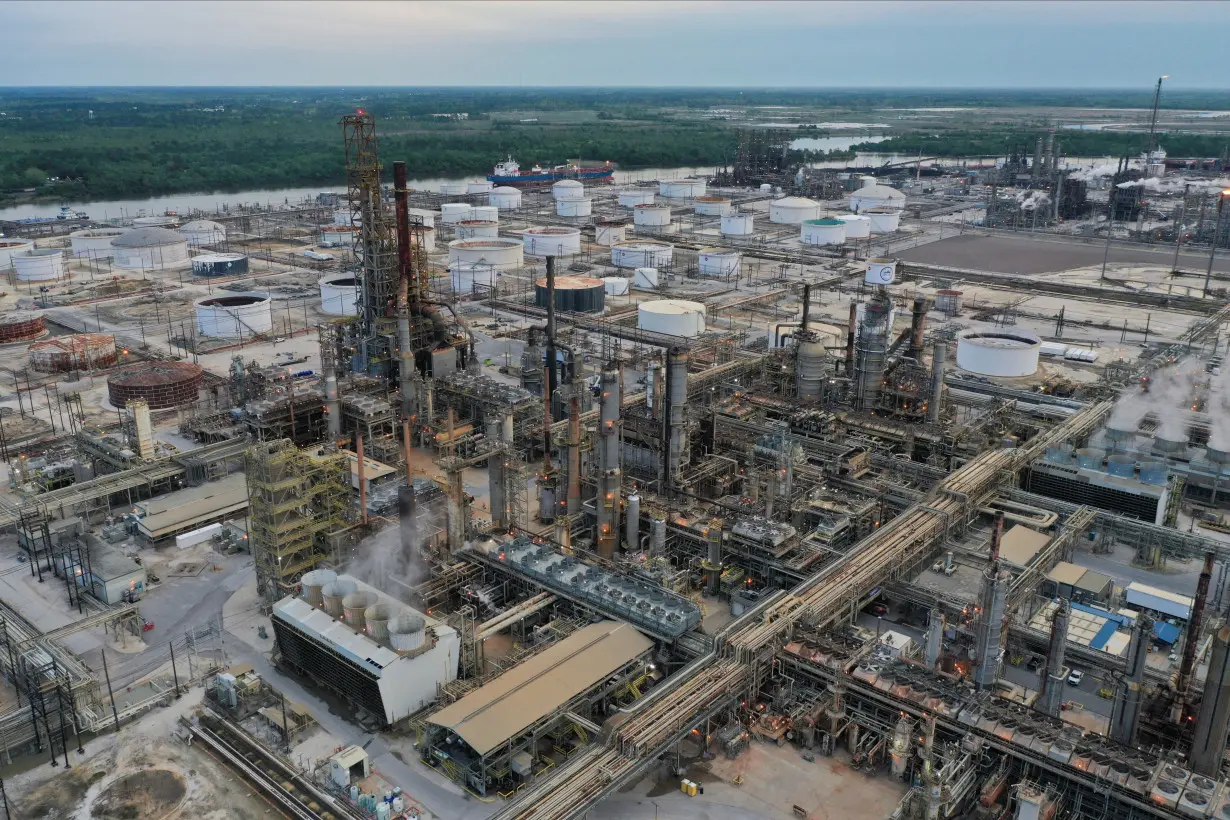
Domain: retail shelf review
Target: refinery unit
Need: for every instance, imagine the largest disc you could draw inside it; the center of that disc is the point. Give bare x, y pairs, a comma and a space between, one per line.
568, 486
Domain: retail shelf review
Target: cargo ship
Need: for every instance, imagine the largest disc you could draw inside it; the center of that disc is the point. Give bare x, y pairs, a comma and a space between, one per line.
509, 172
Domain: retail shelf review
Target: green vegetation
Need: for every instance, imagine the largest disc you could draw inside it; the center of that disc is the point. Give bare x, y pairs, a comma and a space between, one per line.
960, 142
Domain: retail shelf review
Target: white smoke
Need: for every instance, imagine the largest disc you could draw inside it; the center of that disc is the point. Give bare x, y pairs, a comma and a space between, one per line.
381, 562
1032, 200
1176, 185
1219, 410
1168, 399
1098, 171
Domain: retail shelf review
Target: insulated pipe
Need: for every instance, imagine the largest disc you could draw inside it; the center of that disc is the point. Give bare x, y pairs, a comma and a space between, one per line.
362, 478
939, 353
1188, 663
851, 329
918, 328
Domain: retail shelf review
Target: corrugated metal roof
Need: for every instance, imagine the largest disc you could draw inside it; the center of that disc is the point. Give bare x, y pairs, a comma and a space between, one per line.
1066, 573
1020, 544
1093, 581
1173, 597
530, 691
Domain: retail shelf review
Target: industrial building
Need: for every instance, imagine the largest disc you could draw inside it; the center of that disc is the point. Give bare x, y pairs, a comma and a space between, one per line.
161, 519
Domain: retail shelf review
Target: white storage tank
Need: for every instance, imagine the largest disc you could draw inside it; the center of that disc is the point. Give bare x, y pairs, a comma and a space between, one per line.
426, 236
645, 278
477, 229
681, 188
155, 221
487, 213
567, 189
149, 249
651, 216
857, 225
234, 316
203, 232
11, 246
574, 207
793, 210
501, 254
452, 188
339, 295
482, 186
642, 253
453, 212
719, 262
422, 216
884, 220
504, 197
738, 224
631, 197
219, 264
341, 218
549, 240
608, 232
92, 243
615, 285
39, 265
823, 232
880, 271
713, 206
464, 276
998, 352
676, 317
876, 196
337, 236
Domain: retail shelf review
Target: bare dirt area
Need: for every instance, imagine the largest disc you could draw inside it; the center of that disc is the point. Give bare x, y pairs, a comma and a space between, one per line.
149, 794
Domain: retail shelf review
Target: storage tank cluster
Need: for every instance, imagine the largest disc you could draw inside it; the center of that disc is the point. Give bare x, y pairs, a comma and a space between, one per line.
609, 232
651, 216
501, 254
642, 253
997, 352
234, 316
549, 240
631, 197
675, 317
681, 188
505, 198
93, 243
339, 295
203, 232
714, 206
9, 247
151, 248
161, 384
793, 210
823, 232
39, 265
738, 224
719, 262
81, 351
577, 294
220, 264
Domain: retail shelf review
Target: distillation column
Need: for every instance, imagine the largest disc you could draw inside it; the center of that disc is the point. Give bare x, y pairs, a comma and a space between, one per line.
939, 356
1052, 693
572, 495
1125, 714
407, 290
871, 350
1213, 724
1187, 664
918, 324
712, 565
676, 418
992, 602
934, 638
495, 474
609, 475
632, 526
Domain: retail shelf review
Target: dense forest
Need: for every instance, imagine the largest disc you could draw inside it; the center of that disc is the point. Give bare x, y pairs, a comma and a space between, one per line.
988, 142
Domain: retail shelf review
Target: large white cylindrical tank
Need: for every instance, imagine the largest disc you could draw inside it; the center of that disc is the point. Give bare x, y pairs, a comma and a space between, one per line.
426, 236
676, 317
651, 216
501, 254
504, 197
203, 232
714, 206
39, 265
477, 229
822, 232
337, 236
422, 216
646, 278
719, 262
487, 213
11, 246
574, 207
884, 220
452, 188
234, 316
738, 224
876, 196
155, 221
465, 275
857, 225
567, 189
149, 249
681, 188
341, 218
608, 233
482, 186
642, 254
880, 271
615, 285
453, 212
548, 240
998, 352
93, 243
631, 197
793, 210
339, 295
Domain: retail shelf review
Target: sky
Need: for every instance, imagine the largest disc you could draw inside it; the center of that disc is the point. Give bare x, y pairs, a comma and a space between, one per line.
1103, 44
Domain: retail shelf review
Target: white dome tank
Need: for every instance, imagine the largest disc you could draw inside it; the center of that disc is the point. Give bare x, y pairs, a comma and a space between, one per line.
883, 220
11, 246
453, 212
681, 188
339, 295
501, 254
857, 225
642, 253
610, 232
39, 265
477, 229
823, 232
482, 186
651, 216
203, 232
880, 271
738, 224
719, 262
93, 243
155, 222
998, 352
149, 249
234, 316
631, 197
714, 206
574, 207
567, 189
876, 196
452, 188
793, 210
548, 240
676, 317
504, 197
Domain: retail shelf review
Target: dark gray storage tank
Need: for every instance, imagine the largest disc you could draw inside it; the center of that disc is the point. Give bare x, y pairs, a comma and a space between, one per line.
219, 264
577, 294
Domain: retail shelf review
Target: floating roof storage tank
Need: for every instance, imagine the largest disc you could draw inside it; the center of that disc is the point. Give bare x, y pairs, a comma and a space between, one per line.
576, 294
477, 229
39, 265
339, 295
651, 216
858, 226
713, 205
10, 246
883, 220
81, 351
91, 243
219, 264
549, 240
608, 232
574, 207
719, 261
642, 253
21, 326
160, 384
997, 352
676, 317
822, 232
501, 254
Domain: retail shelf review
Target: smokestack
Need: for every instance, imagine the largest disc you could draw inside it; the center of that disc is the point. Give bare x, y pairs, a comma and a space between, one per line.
676, 406
333, 405
547, 483
407, 525
573, 495
1125, 714
495, 475
918, 328
939, 353
552, 356
851, 329
610, 477
1213, 724
1188, 663
712, 565
407, 289
997, 532
1052, 693
806, 306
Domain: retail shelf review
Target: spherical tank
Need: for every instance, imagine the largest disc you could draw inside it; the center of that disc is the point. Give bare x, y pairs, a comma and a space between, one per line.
219, 264
93, 243
631, 197
880, 271
64, 354
615, 285
452, 188
857, 225
504, 197
8, 247
453, 212
997, 352
426, 236
883, 220
876, 196
203, 232
477, 229
481, 186
160, 384
719, 262
155, 222
21, 326
501, 254
713, 205
609, 232
578, 294
548, 240
738, 224
676, 317
149, 249
574, 207
234, 316
567, 189
39, 265
651, 216
793, 210
823, 232
642, 253
339, 295
681, 188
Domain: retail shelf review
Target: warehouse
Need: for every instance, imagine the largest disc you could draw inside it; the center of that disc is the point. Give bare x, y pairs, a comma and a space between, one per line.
161, 519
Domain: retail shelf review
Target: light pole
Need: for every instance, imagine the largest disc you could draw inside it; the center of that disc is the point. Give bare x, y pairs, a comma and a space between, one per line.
1208, 274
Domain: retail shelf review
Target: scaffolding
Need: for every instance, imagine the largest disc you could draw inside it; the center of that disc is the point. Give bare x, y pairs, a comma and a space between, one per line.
298, 509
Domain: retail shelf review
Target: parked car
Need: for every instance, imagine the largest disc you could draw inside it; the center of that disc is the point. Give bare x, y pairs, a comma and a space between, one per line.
1075, 677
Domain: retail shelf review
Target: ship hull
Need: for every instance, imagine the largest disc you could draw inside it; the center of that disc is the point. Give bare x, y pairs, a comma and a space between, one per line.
548, 177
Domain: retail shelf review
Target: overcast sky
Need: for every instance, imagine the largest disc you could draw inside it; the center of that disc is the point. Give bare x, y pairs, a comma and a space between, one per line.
616, 42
